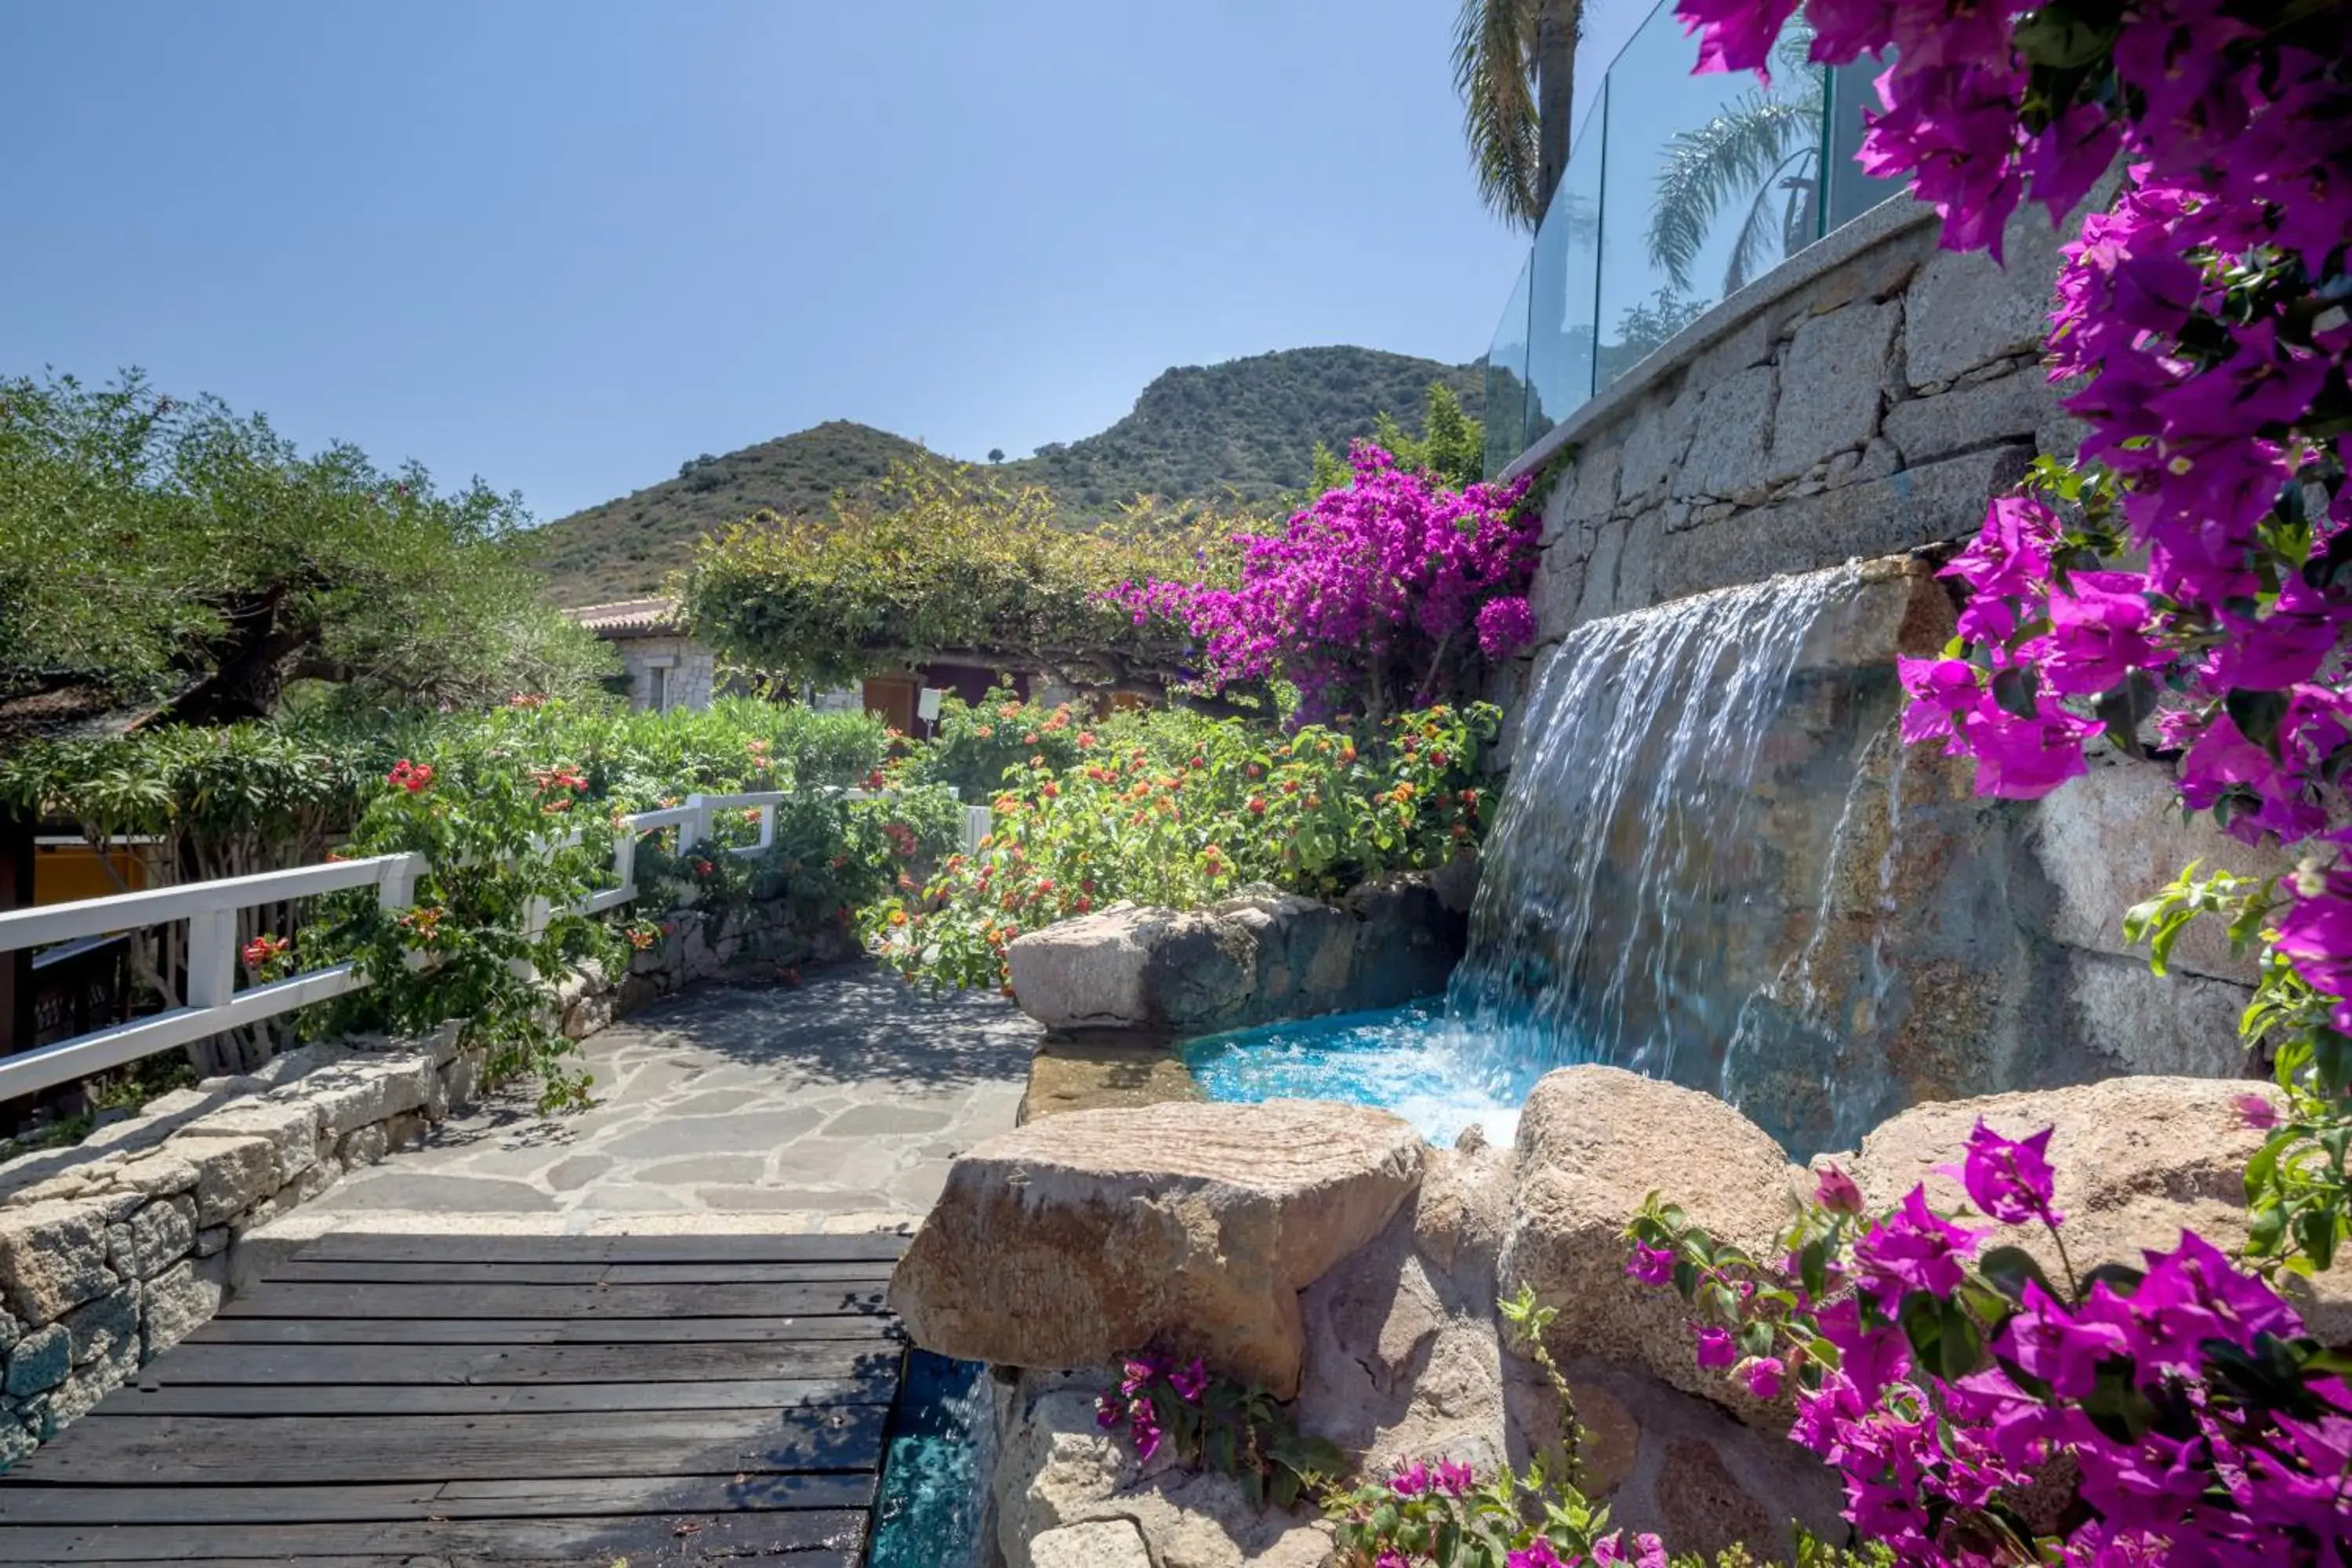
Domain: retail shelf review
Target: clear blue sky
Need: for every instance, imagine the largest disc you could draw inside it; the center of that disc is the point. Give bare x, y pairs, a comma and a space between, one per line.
567, 246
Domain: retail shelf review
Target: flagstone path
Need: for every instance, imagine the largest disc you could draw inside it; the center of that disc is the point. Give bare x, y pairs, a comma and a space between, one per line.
836, 1105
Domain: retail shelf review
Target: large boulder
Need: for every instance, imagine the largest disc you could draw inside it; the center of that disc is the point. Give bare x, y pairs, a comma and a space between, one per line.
1593, 1143
1257, 956
2137, 1160
1077, 1239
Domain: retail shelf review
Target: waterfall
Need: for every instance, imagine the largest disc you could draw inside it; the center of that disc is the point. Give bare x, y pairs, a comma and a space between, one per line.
1657, 857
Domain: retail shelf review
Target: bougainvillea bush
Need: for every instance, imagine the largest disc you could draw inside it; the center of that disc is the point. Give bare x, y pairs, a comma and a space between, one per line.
1383, 594
2176, 1413
1432, 1512
2182, 586
1179, 809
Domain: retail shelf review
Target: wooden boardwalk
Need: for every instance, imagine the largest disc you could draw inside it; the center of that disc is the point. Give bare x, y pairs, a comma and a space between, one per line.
435, 1400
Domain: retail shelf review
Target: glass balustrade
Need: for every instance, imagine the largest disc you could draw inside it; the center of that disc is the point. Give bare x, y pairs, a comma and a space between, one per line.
1679, 191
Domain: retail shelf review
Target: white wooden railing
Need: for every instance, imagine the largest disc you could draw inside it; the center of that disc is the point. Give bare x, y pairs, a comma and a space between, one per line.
214, 1005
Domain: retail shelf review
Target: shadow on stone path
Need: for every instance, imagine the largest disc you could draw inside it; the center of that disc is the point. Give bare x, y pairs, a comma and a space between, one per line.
846, 1096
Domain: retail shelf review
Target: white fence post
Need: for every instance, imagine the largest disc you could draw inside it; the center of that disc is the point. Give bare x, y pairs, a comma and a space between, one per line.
212, 958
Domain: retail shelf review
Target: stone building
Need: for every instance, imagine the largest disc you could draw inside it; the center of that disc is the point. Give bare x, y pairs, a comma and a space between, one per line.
666, 668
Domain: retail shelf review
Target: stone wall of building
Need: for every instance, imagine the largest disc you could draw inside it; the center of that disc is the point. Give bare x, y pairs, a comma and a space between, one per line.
115, 1249
688, 672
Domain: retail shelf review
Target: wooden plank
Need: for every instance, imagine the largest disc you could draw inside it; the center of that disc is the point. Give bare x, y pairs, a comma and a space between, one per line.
536, 1331
491, 1399
271, 1300
347, 1246
591, 1272
22, 1505
814, 1540
205, 1451
400, 1365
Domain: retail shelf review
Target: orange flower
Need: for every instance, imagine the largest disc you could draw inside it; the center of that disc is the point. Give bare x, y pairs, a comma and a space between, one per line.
898, 917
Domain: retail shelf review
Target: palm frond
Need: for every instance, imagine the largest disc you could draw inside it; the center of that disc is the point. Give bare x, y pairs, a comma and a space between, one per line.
1492, 43
1713, 163
1792, 51
1748, 246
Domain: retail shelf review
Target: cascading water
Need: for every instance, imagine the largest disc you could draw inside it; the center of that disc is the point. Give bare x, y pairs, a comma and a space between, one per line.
1690, 877
1635, 890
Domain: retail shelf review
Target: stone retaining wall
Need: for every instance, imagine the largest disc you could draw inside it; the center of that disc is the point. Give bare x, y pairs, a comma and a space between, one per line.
114, 1250
1867, 397
116, 1258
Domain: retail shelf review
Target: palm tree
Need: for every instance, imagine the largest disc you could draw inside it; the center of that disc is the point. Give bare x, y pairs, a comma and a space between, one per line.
1768, 142
1514, 66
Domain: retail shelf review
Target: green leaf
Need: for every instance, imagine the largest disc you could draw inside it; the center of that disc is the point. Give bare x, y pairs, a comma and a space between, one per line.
2257, 715
2010, 1269
1812, 1267
2316, 1230
2115, 1405
2057, 37
2119, 1278
2014, 688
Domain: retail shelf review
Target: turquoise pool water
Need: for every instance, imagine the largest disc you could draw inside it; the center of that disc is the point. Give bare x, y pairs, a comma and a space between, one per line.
1435, 1072
935, 1472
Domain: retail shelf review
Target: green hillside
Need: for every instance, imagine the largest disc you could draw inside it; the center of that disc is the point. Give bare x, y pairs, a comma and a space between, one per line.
1246, 429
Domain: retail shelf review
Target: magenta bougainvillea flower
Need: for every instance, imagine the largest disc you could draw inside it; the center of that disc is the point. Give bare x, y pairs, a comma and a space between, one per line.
2009, 1179
1381, 580
1651, 1264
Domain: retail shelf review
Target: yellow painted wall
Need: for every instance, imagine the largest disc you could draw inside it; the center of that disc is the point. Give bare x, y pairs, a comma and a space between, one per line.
64, 872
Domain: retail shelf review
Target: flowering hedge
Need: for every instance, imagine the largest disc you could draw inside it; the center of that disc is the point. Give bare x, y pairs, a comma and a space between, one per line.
1378, 596
2179, 1410
1179, 809
484, 799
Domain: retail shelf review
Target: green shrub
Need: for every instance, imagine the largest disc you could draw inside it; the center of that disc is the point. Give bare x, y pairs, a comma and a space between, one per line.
1179, 809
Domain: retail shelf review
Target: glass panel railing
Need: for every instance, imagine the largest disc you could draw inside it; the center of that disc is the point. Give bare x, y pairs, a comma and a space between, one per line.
1852, 88
1712, 180
1680, 190
1507, 380
1563, 283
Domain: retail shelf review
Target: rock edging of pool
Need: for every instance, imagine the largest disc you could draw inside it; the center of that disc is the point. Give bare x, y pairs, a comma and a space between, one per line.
1256, 957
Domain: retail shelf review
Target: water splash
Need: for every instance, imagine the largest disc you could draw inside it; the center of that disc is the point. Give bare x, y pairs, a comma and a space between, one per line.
1626, 910
1412, 1059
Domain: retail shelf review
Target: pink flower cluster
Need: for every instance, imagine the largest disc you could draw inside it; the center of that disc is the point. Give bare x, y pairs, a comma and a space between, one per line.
2202, 326
1132, 1408
2196, 1434
1388, 578
1608, 1552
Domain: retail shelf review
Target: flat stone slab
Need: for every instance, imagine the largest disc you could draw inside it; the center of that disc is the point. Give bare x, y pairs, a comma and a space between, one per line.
850, 1094
1188, 1225
1083, 1073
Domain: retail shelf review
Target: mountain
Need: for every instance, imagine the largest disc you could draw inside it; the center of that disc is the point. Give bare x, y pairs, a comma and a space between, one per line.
1246, 429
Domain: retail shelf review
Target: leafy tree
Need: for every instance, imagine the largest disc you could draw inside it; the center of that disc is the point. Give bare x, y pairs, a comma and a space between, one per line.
1451, 448
996, 454
932, 564
1514, 66
177, 553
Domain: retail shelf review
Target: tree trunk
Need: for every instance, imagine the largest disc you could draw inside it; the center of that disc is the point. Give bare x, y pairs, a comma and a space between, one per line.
1558, 25
256, 649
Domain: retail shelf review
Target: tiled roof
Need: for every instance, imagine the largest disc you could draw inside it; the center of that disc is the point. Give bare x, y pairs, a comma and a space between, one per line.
626, 618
